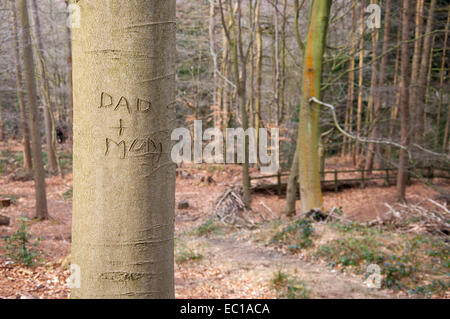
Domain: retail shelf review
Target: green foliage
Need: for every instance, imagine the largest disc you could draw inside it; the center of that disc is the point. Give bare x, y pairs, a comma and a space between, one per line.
68, 194
215, 168
355, 228
404, 263
184, 254
65, 160
9, 161
436, 287
297, 290
350, 252
279, 279
396, 269
298, 234
415, 263
20, 248
207, 228
287, 287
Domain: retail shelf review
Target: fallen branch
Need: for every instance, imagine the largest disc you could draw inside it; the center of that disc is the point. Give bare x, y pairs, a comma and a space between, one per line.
374, 141
230, 209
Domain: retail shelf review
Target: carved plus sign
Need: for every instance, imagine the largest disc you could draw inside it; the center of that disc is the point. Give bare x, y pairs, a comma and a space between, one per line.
121, 128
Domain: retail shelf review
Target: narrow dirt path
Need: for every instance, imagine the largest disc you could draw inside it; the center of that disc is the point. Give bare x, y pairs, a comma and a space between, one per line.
229, 263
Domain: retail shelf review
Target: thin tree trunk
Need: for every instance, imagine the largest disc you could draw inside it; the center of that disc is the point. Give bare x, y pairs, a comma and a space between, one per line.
375, 150
441, 82
224, 91
283, 64
309, 131
394, 112
292, 186
48, 117
1, 119
371, 116
422, 82
402, 176
416, 61
251, 98
356, 151
241, 80
27, 161
294, 179
124, 178
234, 39
259, 60
351, 82
276, 64
69, 76
212, 45
428, 85
30, 80
445, 144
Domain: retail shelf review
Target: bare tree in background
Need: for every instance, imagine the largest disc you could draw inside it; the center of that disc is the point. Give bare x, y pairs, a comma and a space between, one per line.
27, 161
30, 80
402, 176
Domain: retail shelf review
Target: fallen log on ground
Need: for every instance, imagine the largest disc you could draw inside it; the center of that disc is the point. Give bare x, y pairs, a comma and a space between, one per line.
4, 221
5, 202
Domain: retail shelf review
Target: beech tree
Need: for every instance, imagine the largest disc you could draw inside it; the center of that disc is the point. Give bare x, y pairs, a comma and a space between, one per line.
30, 80
309, 132
124, 179
49, 121
402, 176
27, 161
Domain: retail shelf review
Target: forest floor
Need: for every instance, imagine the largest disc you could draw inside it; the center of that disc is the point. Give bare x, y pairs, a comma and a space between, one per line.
213, 260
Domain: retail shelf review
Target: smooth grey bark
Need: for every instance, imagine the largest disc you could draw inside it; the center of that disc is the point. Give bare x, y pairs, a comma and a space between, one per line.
402, 176
48, 116
423, 72
27, 161
69, 75
30, 80
124, 178
292, 186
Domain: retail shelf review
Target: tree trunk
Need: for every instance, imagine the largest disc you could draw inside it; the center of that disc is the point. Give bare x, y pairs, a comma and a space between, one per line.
356, 151
124, 179
291, 193
422, 82
1, 120
294, 180
351, 83
309, 131
259, 60
251, 59
27, 161
428, 85
276, 65
394, 112
374, 151
402, 176
30, 79
212, 46
441, 82
225, 114
283, 64
413, 91
48, 116
69, 76
445, 144
234, 39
